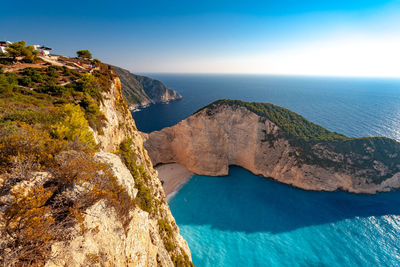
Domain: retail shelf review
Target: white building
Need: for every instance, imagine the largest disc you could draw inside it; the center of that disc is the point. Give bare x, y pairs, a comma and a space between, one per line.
44, 51
3, 45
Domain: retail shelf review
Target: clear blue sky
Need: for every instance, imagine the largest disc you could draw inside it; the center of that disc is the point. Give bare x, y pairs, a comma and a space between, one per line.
285, 36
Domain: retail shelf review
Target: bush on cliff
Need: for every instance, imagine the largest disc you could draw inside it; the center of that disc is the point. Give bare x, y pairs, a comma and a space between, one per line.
144, 197
74, 126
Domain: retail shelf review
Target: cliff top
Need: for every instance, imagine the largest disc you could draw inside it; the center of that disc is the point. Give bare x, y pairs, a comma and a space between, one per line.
305, 135
289, 121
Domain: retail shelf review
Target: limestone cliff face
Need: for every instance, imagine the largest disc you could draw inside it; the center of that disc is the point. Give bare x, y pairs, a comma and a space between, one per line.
106, 241
140, 91
222, 135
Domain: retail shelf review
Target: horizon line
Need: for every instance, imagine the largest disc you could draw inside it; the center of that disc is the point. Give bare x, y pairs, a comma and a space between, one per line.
272, 74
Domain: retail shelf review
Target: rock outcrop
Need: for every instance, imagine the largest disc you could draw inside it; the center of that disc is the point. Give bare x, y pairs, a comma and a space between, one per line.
140, 91
263, 139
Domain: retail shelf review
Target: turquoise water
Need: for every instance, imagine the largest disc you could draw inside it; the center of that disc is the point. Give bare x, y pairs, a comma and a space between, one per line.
245, 220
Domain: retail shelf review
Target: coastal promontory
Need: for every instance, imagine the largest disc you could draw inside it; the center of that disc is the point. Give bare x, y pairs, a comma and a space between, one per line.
274, 142
140, 91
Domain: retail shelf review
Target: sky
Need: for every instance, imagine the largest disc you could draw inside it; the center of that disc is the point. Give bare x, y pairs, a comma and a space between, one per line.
314, 37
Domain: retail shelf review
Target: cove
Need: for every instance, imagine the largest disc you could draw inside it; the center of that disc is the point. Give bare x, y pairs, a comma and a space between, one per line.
245, 220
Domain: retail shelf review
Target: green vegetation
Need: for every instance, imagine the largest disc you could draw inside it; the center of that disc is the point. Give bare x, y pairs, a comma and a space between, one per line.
84, 54
291, 123
45, 115
74, 126
144, 197
20, 49
166, 233
96, 62
44, 85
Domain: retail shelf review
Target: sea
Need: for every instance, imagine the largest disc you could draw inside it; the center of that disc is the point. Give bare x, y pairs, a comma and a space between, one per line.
246, 220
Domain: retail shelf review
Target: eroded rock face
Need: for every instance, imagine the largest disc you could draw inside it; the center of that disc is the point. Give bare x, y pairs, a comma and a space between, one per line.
211, 140
104, 239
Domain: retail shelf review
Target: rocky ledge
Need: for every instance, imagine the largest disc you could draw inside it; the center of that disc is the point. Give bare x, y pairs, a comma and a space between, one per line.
274, 142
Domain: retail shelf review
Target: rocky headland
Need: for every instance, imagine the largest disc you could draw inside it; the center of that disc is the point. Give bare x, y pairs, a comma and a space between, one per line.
141, 91
276, 143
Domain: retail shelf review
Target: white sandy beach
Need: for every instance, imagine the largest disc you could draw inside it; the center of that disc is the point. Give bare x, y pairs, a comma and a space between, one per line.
173, 175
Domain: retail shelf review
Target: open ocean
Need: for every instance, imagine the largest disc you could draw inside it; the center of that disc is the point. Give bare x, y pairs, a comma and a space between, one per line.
245, 220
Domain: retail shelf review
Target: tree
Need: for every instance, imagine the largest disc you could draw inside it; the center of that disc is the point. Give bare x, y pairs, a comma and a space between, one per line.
19, 49
84, 54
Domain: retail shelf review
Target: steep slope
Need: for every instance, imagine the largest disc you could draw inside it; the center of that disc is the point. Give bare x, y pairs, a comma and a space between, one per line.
151, 236
76, 185
274, 142
142, 91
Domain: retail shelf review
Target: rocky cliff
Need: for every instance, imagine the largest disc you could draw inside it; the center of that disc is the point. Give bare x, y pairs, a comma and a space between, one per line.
77, 187
141, 91
276, 143
150, 237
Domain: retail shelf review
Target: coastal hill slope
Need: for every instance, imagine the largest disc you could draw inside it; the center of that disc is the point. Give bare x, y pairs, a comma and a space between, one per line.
77, 187
141, 91
274, 142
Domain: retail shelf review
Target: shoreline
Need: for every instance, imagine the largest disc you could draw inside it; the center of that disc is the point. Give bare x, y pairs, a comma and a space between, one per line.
173, 177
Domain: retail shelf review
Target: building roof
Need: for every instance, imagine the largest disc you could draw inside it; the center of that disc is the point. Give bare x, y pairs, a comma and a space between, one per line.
45, 48
3, 43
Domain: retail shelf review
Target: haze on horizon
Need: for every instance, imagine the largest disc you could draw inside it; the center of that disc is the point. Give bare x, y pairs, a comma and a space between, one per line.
339, 38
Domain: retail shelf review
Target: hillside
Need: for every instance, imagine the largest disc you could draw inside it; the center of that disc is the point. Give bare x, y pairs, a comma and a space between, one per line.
77, 187
141, 91
274, 142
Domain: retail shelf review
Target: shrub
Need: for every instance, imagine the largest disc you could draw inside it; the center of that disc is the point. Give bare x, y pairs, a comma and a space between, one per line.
25, 81
93, 114
7, 83
52, 88
75, 126
96, 62
84, 54
29, 116
33, 73
52, 71
88, 84
144, 197
29, 222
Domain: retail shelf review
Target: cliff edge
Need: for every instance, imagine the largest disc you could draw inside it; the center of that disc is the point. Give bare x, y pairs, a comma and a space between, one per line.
274, 142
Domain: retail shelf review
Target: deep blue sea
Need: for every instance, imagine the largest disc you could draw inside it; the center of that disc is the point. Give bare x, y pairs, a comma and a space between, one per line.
245, 220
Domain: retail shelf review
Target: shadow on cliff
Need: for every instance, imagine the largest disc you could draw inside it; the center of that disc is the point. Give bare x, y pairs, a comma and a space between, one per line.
247, 203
